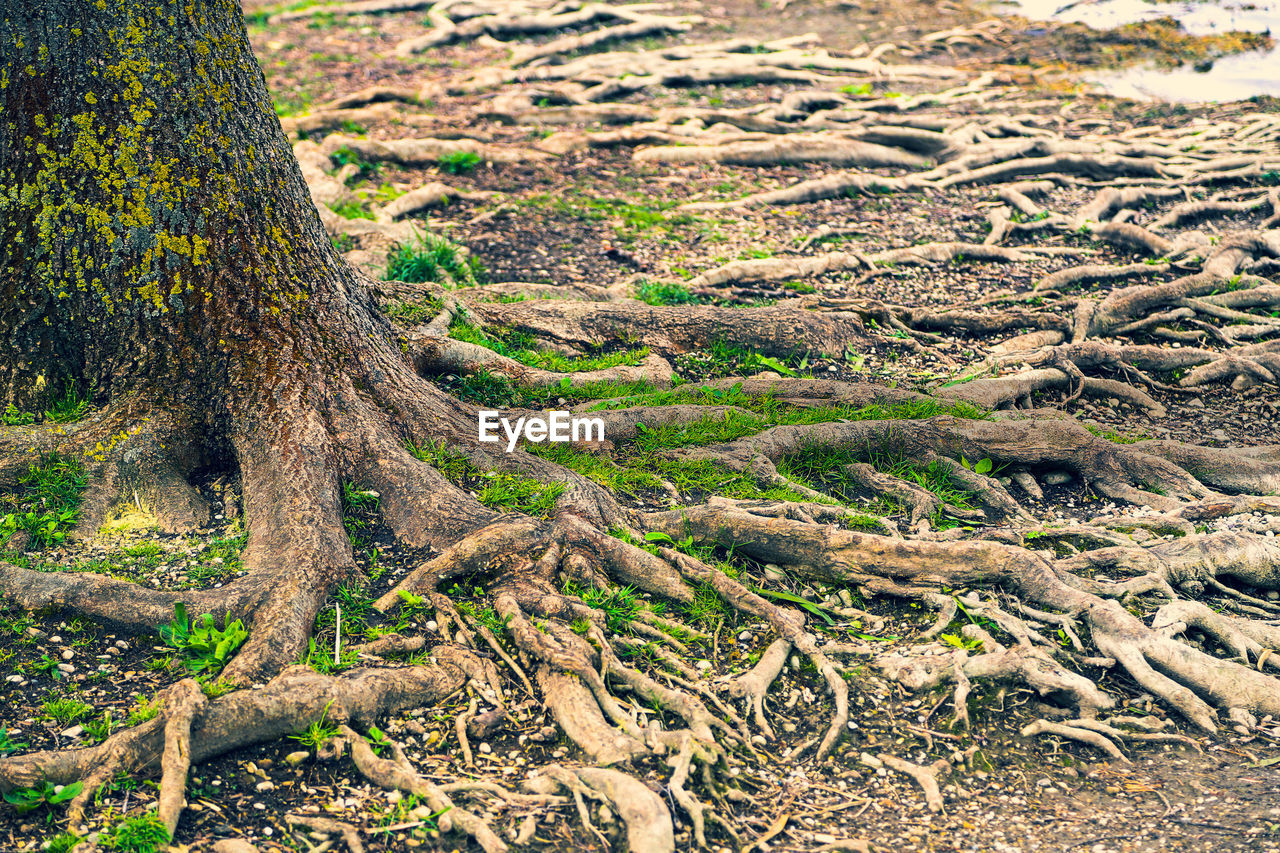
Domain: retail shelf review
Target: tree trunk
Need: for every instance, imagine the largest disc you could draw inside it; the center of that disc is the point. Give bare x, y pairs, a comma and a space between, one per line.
162, 255
158, 236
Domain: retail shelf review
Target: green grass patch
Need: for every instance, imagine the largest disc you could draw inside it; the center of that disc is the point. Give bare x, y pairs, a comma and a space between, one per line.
353, 210
459, 162
494, 489
666, 293
366, 169
823, 468
1117, 437
521, 347
144, 833
361, 514
497, 392
594, 466
65, 710
429, 258
630, 219
412, 313
46, 505
513, 493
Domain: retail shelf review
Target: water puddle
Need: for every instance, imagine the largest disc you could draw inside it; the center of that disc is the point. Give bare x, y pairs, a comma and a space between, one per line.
1230, 78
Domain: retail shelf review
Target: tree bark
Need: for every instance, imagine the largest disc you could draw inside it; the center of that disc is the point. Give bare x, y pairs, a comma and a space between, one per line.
161, 255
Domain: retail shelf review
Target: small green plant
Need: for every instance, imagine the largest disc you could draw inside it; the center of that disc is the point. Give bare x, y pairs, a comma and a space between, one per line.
380, 743
620, 605
13, 417
144, 833
66, 710
365, 169
429, 258
214, 689
67, 409
665, 293
144, 710
318, 733
205, 647
707, 607
44, 794
99, 729
49, 666
319, 656
63, 842
8, 745
459, 162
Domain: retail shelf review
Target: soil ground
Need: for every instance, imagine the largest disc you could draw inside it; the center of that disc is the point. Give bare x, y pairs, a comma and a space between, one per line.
1013, 794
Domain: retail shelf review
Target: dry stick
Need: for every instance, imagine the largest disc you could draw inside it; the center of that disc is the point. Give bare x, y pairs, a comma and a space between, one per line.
185, 702
337, 633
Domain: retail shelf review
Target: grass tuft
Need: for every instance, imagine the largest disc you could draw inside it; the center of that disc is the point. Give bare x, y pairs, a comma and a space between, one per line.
459, 162
432, 259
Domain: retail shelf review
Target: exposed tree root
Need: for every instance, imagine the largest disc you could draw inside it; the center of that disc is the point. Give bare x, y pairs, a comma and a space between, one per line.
925, 777
1083, 329
286, 704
